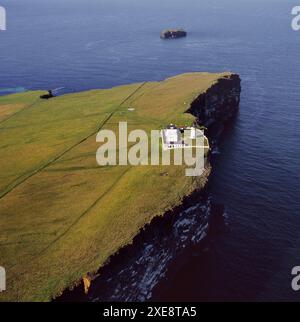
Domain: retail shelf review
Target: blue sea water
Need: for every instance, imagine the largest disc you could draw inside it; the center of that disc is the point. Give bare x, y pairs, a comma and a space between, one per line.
83, 44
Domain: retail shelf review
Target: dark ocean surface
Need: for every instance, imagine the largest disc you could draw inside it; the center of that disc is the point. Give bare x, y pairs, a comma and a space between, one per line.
84, 44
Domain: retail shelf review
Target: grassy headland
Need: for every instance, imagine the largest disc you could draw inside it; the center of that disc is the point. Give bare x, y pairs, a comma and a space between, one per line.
62, 215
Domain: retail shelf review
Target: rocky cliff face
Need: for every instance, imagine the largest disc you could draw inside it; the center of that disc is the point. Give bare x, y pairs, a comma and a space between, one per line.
219, 103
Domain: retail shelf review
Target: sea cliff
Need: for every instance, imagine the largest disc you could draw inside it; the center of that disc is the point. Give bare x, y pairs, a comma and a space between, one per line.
63, 216
219, 103
194, 219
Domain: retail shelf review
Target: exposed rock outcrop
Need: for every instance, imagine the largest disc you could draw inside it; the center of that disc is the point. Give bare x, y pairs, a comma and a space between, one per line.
173, 33
219, 103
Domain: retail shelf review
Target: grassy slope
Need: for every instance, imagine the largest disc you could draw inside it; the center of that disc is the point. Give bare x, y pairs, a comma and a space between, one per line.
62, 215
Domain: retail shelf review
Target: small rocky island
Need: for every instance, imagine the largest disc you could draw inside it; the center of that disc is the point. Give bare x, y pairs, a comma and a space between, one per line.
173, 33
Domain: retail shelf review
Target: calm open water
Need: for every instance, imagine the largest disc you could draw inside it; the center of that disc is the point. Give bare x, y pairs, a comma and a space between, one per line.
80, 44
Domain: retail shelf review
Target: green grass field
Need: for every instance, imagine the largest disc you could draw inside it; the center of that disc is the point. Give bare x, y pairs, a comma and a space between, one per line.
61, 214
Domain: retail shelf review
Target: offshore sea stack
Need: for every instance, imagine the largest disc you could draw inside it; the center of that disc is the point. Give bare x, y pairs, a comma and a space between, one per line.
173, 33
